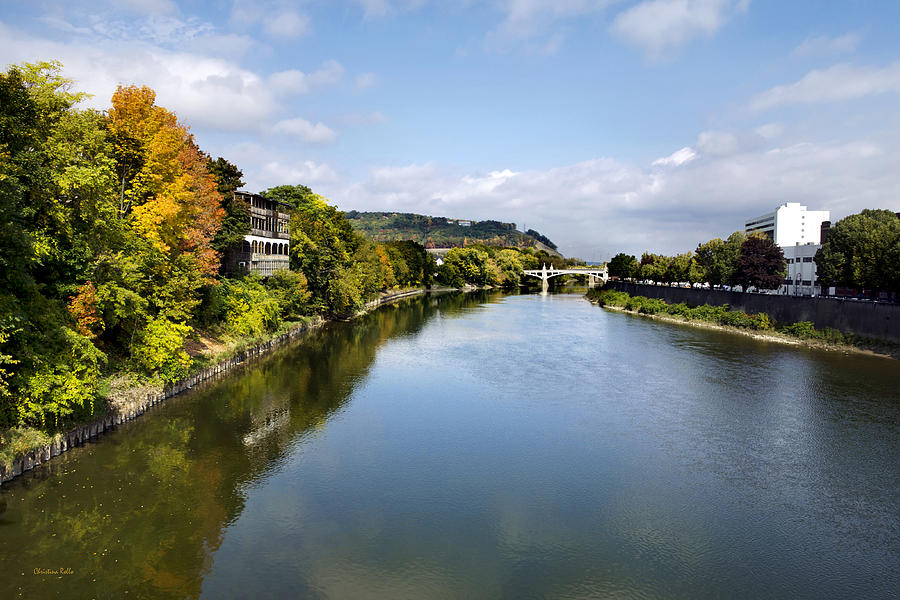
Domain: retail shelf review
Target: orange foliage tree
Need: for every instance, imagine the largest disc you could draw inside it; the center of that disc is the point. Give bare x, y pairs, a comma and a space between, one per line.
166, 191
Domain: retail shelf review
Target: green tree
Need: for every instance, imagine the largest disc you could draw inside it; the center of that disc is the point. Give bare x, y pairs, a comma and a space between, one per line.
623, 265
236, 220
863, 251
760, 264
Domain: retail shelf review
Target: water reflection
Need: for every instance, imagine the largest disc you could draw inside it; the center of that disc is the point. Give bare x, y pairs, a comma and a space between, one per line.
486, 446
143, 510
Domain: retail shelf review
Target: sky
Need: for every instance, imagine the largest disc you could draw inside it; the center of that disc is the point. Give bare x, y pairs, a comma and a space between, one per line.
607, 125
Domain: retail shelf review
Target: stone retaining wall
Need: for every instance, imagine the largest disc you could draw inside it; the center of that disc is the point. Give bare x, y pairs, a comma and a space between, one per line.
876, 320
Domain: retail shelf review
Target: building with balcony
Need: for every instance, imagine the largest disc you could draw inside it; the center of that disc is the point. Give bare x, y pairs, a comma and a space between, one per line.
266, 248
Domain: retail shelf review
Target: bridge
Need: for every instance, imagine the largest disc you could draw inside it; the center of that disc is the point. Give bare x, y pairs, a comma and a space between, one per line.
545, 274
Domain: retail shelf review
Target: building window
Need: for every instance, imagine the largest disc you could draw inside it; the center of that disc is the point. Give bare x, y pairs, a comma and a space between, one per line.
807, 282
807, 259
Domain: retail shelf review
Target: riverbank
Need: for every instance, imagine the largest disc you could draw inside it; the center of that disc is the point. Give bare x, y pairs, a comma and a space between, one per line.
24, 448
758, 326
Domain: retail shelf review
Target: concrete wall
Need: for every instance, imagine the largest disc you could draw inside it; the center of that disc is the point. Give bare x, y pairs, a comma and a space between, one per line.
868, 319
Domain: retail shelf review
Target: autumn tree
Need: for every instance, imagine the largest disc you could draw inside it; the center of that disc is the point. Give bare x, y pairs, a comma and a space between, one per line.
760, 264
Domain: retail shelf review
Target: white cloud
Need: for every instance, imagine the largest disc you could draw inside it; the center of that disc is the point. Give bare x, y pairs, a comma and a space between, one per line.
317, 133
663, 26
202, 91
770, 130
825, 46
524, 19
676, 159
837, 83
596, 208
305, 172
366, 80
294, 81
287, 24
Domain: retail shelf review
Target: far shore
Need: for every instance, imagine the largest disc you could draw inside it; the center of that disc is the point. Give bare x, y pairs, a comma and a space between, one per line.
770, 336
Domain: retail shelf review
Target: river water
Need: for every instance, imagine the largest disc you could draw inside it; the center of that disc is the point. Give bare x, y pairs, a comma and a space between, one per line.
485, 446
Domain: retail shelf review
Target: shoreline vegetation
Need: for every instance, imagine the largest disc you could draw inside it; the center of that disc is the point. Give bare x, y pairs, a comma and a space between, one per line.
127, 395
759, 325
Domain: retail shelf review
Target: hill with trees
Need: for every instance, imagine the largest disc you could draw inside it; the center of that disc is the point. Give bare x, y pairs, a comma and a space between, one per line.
442, 232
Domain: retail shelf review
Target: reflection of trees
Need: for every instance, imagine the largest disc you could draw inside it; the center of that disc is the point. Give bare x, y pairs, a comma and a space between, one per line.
144, 512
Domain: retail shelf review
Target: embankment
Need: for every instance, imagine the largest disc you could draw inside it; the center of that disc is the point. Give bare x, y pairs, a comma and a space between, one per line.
132, 409
865, 319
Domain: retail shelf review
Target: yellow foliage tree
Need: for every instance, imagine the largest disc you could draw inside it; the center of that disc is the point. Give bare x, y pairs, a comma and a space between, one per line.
166, 190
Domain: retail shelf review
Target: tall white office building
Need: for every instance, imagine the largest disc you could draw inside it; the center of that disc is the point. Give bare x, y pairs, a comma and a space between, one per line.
798, 232
790, 224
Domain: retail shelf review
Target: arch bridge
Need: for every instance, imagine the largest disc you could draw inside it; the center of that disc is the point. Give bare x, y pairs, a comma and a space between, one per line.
594, 275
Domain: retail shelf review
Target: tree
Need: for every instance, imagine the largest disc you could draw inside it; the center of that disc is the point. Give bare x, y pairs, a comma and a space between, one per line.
623, 265
862, 250
760, 264
655, 267
236, 218
718, 259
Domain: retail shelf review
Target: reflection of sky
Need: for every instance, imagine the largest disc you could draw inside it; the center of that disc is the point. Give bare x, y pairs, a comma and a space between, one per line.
541, 446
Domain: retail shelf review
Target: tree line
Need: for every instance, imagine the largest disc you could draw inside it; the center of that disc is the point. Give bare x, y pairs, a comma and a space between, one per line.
861, 251
748, 261
114, 225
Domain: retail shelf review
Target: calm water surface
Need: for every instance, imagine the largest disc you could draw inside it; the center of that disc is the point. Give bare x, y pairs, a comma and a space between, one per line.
485, 447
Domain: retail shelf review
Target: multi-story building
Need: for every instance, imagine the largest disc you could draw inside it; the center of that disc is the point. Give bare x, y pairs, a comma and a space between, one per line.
266, 248
790, 224
799, 232
801, 266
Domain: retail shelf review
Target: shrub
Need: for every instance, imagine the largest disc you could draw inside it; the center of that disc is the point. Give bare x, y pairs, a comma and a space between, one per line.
681, 309
609, 297
736, 318
63, 385
250, 309
652, 306
160, 349
761, 321
801, 329
705, 312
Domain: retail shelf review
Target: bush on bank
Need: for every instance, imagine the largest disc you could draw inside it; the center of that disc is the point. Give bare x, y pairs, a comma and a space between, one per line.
720, 315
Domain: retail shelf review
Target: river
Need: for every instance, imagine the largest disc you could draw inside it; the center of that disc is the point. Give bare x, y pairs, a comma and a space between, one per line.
485, 446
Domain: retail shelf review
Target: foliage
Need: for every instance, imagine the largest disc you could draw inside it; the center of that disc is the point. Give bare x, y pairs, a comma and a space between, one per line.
862, 251
236, 212
291, 292
62, 382
160, 349
441, 232
250, 309
623, 265
467, 265
541, 238
760, 264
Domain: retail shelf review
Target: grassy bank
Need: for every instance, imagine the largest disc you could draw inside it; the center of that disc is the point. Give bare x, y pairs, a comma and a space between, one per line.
757, 323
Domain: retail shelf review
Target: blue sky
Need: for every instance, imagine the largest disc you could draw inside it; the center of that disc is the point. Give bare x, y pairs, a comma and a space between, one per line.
608, 125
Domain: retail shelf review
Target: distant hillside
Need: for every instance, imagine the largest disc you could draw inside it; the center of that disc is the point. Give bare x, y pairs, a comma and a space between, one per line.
441, 232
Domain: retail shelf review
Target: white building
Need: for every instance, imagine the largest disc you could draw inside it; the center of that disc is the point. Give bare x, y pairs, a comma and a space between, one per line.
790, 224
801, 270
798, 232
